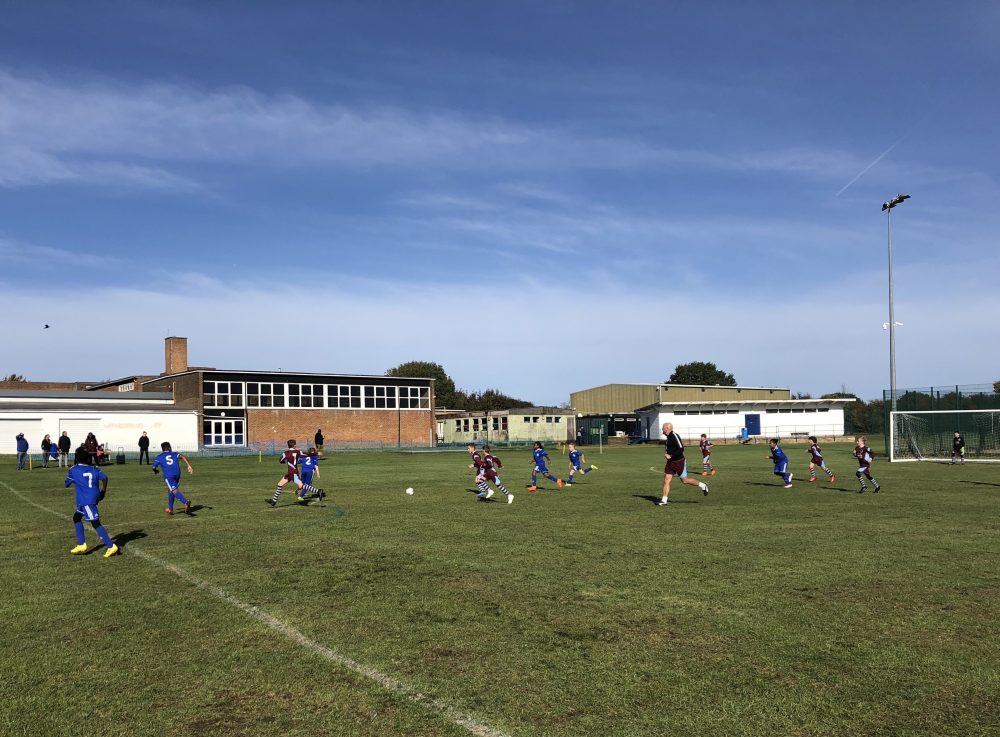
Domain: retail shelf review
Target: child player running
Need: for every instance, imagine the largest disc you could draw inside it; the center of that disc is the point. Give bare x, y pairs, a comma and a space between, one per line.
477, 468
91, 485
816, 459
576, 459
170, 461
707, 469
310, 468
780, 461
491, 464
865, 455
539, 457
290, 457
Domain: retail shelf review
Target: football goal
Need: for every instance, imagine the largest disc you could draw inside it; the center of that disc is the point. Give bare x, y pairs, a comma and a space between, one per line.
929, 436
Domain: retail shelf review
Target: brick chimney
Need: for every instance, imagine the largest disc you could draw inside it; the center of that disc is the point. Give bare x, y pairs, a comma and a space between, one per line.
177, 355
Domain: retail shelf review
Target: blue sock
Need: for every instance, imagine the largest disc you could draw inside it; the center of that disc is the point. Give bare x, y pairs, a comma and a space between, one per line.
170, 500
787, 477
588, 470
534, 480
180, 497
79, 532
103, 534
550, 477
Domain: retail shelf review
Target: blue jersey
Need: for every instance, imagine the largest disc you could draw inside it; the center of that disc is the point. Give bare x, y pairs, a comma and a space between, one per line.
170, 463
778, 456
574, 458
87, 480
309, 465
540, 457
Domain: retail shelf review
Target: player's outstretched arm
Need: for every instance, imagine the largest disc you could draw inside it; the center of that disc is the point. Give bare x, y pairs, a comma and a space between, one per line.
183, 458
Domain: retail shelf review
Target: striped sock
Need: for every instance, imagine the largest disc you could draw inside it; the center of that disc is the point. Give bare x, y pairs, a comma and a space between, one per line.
277, 493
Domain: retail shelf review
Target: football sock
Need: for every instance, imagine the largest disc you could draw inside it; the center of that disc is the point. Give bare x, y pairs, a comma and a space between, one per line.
588, 470
534, 480
277, 493
503, 489
180, 497
550, 477
102, 533
79, 532
310, 488
170, 500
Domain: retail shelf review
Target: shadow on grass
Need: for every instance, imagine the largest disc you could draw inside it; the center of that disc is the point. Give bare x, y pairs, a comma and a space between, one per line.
656, 499
980, 483
122, 539
196, 508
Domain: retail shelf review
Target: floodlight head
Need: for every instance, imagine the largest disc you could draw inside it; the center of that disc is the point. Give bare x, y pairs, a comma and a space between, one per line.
898, 199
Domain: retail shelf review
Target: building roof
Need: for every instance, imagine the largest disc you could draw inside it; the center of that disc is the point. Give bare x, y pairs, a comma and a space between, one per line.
28, 400
732, 404
686, 386
279, 372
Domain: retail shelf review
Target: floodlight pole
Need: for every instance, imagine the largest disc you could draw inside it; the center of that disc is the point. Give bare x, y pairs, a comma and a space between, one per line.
887, 207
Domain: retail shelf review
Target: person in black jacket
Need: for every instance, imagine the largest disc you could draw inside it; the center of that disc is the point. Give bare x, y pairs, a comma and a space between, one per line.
676, 464
64, 446
144, 448
319, 441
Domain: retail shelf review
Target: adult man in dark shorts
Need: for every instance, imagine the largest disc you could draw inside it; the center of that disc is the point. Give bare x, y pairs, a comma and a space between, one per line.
673, 451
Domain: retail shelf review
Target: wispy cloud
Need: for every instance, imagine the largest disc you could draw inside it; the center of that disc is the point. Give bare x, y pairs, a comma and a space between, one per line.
104, 132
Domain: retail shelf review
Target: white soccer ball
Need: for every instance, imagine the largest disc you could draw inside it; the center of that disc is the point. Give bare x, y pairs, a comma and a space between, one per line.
410, 491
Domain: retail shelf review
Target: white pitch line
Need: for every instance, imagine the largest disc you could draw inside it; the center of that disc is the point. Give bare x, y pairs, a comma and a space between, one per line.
455, 716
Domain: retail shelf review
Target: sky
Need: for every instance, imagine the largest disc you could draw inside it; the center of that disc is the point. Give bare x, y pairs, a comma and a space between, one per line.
541, 197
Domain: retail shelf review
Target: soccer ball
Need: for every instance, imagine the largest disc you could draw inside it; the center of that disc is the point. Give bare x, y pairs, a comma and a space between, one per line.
410, 491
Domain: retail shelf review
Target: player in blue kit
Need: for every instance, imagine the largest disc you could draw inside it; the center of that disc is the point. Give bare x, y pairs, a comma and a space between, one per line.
575, 460
91, 485
170, 462
780, 461
310, 468
540, 457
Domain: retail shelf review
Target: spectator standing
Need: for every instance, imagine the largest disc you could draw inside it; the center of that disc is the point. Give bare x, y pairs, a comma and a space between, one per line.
64, 445
144, 448
22, 450
46, 447
90, 445
319, 441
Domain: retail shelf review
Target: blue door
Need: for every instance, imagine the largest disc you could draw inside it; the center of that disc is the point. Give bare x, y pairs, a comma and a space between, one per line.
752, 423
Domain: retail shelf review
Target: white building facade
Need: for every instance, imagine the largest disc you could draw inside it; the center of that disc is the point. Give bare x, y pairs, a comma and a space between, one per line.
116, 419
733, 420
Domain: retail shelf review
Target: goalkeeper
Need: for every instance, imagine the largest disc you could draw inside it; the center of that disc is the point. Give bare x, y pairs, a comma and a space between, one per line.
958, 448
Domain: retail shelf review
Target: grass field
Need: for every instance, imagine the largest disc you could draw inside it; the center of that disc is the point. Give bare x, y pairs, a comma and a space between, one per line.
754, 611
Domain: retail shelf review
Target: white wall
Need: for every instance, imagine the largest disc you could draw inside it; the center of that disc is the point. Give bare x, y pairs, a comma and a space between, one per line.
113, 429
772, 424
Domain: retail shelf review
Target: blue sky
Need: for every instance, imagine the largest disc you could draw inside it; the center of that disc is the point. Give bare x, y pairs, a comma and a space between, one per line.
542, 197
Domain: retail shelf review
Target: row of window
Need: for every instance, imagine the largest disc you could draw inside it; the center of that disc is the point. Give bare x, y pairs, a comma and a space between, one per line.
736, 411
222, 432
477, 424
333, 396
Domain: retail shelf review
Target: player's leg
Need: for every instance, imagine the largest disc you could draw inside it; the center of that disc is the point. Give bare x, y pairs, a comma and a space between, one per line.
685, 479
550, 477
569, 479
277, 491
667, 478
812, 472
860, 473
170, 496
534, 480
875, 487
90, 514
829, 473
81, 543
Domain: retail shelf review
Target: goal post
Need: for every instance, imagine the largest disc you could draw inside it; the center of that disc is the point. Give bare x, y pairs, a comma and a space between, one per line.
929, 435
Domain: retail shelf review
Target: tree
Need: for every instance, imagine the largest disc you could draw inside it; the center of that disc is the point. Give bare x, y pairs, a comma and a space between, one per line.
445, 394
15, 378
701, 373
996, 387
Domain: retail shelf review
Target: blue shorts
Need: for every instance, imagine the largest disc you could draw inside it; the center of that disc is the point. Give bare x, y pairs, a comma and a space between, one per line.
541, 468
576, 466
307, 480
173, 482
89, 512
781, 469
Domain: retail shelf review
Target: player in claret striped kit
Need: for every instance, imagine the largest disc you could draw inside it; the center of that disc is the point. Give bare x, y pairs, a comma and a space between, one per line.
816, 459
865, 456
490, 473
291, 458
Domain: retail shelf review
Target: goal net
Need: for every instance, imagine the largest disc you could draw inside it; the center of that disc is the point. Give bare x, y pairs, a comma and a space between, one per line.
929, 436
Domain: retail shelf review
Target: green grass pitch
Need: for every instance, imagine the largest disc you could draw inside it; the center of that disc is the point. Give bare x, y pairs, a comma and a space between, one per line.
754, 611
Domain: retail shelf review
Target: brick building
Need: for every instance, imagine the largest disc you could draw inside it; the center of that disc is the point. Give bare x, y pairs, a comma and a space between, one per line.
264, 408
